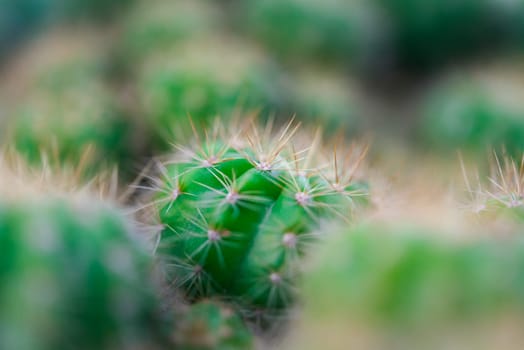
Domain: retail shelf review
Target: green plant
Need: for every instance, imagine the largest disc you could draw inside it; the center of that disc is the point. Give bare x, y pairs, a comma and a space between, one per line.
239, 211
209, 325
63, 104
203, 79
304, 28
73, 273
411, 287
435, 32
154, 26
474, 114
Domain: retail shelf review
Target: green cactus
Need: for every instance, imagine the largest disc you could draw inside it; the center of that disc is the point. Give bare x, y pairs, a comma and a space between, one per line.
319, 95
474, 114
435, 32
204, 79
239, 214
409, 285
152, 26
74, 274
65, 104
328, 30
209, 325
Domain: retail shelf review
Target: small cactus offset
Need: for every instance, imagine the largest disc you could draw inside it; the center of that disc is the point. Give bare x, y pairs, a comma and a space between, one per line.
240, 211
208, 325
72, 276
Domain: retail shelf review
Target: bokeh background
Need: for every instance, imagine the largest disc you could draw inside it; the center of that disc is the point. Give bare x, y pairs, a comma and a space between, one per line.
421, 80
124, 75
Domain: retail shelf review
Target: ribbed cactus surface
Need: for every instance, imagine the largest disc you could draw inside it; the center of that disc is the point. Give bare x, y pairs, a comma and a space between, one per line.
238, 216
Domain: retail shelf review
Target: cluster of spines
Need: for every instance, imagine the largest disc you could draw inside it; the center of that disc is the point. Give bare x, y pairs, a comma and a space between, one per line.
239, 213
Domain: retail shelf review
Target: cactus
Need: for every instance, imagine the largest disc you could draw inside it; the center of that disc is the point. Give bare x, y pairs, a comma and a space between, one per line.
62, 104
502, 198
475, 114
409, 288
319, 95
209, 325
432, 33
152, 26
73, 275
239, 213
204, 79
331, 30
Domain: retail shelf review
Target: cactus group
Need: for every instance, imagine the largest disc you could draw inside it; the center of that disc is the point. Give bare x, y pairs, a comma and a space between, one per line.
239, 212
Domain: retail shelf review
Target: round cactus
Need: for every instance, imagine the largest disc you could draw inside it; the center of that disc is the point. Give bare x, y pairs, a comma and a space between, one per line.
239, 212
407, 287
62, 104
209, 325
203, 79
475, 113
431, 33
319, 95
73, 275
324, 30
152, 26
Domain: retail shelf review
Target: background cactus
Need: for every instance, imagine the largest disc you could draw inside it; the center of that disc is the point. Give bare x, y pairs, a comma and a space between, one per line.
63, 103
209, 325
331, 30
473, 112
203, 79
238, 214
73, 274
409, 288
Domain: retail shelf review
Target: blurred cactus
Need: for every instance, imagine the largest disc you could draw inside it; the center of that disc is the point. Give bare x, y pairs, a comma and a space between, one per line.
426, 34
209, 325
415, 290
239, 212
484, 111
72, 274
59, 103
154, 26
324, 30
323, 98
203, 79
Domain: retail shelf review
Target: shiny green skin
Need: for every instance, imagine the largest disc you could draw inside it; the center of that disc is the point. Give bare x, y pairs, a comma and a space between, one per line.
248, 252
208, 325
466, 117
74, 279
401, 278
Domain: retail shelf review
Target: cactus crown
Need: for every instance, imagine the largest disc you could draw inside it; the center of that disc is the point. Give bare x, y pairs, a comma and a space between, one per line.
239, 210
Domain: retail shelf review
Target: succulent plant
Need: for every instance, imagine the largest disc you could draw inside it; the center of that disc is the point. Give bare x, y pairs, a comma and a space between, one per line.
328, 30
239, 213
475, 113
59, 102
410, 288
73, 273
203, 79
431, 33
319, 96
153, 26
209, 325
